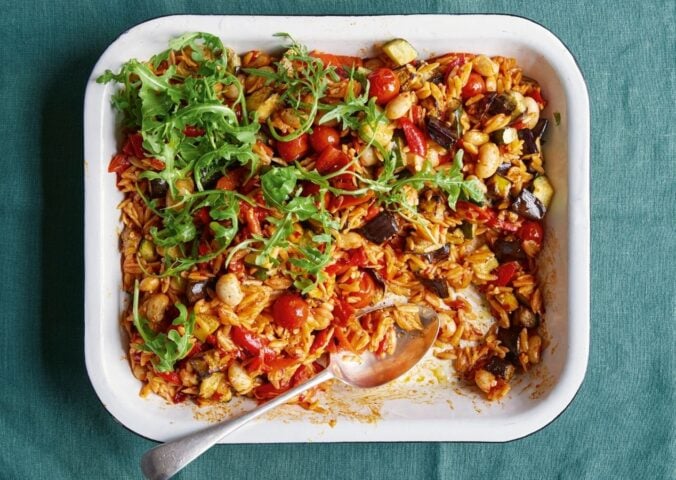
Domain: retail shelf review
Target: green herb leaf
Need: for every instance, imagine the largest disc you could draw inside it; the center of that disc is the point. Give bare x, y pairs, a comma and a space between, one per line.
167, 347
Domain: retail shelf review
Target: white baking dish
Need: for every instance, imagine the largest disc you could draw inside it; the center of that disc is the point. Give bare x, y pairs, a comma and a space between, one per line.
425, 406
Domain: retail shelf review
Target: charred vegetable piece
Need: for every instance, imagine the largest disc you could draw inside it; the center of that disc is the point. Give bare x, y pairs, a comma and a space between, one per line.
528, 205
436, 285
400, 51
504, 136
507, 104
509, 338
200, 366
524, 317
500, 367
540, 128
468, 230
508, 250
196, 291
529, 145
383, 227
501, 186
543, 190
503, 168
158, 187
437, 255
441, 132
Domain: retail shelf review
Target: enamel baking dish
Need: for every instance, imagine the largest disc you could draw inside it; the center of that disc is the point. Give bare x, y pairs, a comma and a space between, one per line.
428, 404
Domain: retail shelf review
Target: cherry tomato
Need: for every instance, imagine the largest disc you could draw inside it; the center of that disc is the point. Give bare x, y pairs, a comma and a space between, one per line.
384, 85
331, 160
323, 136
294, 149
290, 310
505, 273
202, 216
531, 231
367, 288
475, 85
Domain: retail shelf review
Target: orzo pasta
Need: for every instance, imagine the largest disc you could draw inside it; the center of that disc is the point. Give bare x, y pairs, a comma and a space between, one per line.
268, 198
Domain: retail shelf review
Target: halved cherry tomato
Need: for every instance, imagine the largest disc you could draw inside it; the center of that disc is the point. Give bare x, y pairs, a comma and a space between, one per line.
323, 136
475, 85
537, 96
290, 310
179, 397
329, 59
355, 257
192, 131
415, 138
367, 288
531, 231
505, 273
119, 164
294, 149
331, 160
384, 85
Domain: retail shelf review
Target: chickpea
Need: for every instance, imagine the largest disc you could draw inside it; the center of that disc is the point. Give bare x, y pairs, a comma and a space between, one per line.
228, 290
489, 160
156, 305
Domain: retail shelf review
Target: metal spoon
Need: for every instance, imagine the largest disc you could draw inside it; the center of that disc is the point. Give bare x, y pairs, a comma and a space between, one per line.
364, 371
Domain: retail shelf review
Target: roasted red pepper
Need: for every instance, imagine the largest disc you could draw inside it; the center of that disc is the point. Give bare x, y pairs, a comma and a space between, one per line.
415, 138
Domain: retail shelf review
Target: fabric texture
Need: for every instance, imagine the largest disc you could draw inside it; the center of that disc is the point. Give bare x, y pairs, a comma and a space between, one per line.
621, 424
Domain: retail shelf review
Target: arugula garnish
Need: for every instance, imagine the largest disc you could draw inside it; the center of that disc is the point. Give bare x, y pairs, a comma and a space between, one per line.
168, 347
302, 76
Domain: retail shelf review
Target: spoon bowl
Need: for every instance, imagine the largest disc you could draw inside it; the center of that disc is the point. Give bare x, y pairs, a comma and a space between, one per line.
366, 370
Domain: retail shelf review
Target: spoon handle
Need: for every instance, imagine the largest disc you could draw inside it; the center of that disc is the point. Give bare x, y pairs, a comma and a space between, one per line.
164, 461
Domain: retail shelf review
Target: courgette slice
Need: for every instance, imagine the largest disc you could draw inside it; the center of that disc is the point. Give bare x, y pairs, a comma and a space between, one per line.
400, 51
504, 136
543, 190
501, 186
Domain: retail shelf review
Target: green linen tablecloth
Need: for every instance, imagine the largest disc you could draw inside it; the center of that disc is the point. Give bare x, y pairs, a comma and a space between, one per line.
621, 424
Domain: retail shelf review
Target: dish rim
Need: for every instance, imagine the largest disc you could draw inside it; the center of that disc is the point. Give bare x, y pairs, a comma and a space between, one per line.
578, 221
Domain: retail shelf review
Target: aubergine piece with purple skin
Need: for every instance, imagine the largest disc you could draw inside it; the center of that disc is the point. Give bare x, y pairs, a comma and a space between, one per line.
501, 368
441, 132
508, 249
528, 206
524, 317
157, 188
437, 255
529, 145
436, 285
381, 228
195, 291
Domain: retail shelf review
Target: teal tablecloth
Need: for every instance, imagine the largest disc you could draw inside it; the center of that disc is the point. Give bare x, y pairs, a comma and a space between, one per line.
621, 424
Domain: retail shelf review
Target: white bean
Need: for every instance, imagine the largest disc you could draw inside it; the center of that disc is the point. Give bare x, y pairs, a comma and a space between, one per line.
228, 290
532, 114
489, 160
400, 105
